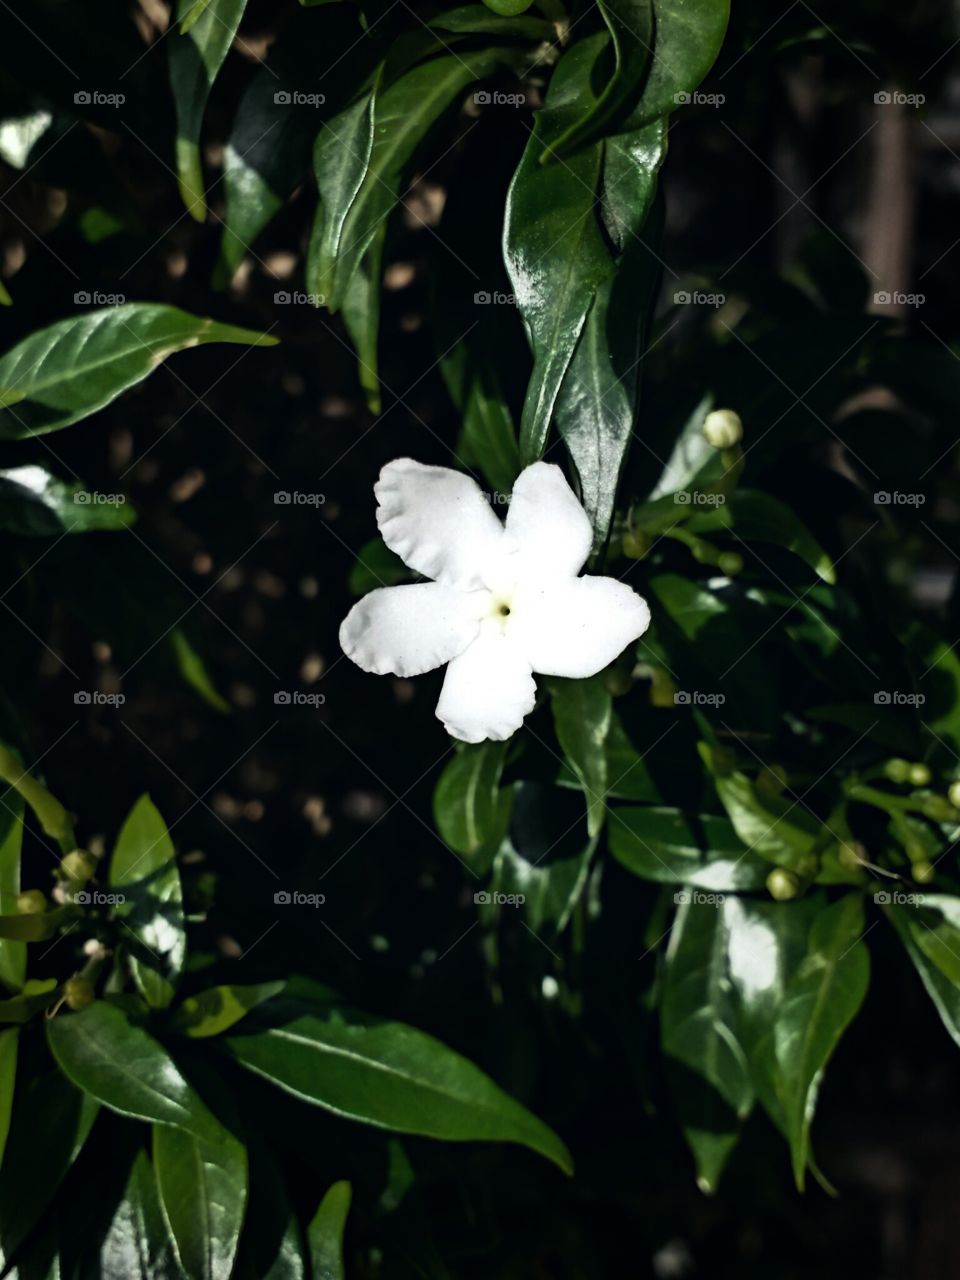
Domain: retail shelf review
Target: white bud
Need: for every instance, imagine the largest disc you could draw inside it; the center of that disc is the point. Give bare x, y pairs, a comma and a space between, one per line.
723, 428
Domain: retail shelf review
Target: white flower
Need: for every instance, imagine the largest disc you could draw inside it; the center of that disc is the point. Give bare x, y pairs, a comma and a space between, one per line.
505, 600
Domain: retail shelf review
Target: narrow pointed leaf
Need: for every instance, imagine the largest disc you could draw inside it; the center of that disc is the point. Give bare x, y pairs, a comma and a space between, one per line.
325, 1233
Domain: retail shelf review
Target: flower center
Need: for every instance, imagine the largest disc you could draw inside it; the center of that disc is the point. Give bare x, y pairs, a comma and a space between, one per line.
503, 610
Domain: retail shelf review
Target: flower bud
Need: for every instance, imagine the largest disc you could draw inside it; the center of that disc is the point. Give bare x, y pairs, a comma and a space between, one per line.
78, 865
953, 795
723, 428
919, 775
807, 866
851, 856
729, 563
923, 872
636, 544
897, 769
31, 902
782, 884
78, 993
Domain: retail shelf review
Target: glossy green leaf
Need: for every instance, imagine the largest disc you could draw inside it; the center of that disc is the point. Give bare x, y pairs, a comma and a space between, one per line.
630, 23
325, 1233
126, 1069
215, 1010
772, 826
144, 869
582, 712
195, 55
36, 504
8, 1074
477, 19
137, 1245
13, 955
194, 671
387, 1074
673, 847
361, 315
272, 1246
203, 1189
687, 38
821, 999
761, 517
467, 804
49, 1125
699, 1015
67, 371
553, 244
929, 928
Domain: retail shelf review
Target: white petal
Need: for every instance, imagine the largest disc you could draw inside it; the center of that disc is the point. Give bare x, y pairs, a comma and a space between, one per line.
574, 628
408, 630
551, 530
487, 690
438, 522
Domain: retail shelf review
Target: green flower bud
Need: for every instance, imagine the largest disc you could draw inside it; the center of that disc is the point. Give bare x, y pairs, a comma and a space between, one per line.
723, 428
897, 770
78, 865
953, 795
32, 902
730, 563
808, 866
78, 993
851, 857
782, 884
923, 872
919, 775
636, 544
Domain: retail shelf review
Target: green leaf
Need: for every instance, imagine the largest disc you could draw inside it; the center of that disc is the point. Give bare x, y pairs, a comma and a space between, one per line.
203, 1190
387, 1074
673, 847
325, 1233
272, 1245
67, 371
137, 1245
195, 55
49, 1126
553, 244
36, 504
144, 869
477, 19
582, 711
630, 23
688, 36
821, 999
596, 410
13, 955
376, 566
763, 518
488, 439
37, 994
929, 929
468, 808
126, 1069
215, 1010
31, 928
194, 671
770, 825
361, 316
8, 1075
699, 1016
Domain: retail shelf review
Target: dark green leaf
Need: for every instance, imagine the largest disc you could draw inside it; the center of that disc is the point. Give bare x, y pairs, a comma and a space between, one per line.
203, 1190
477, 19
467, 804
673, 847
687, 39
929, 927
582, 711
8, 1074
218, 1008
13, 955
60, 374
388, 1074
137, 1245
325, 1233
36, 504
37, 994
763, 518
376, 566
144, 869
771, 825
195, 55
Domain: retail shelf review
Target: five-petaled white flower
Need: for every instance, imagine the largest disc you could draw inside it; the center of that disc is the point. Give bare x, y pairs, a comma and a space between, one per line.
505, 600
